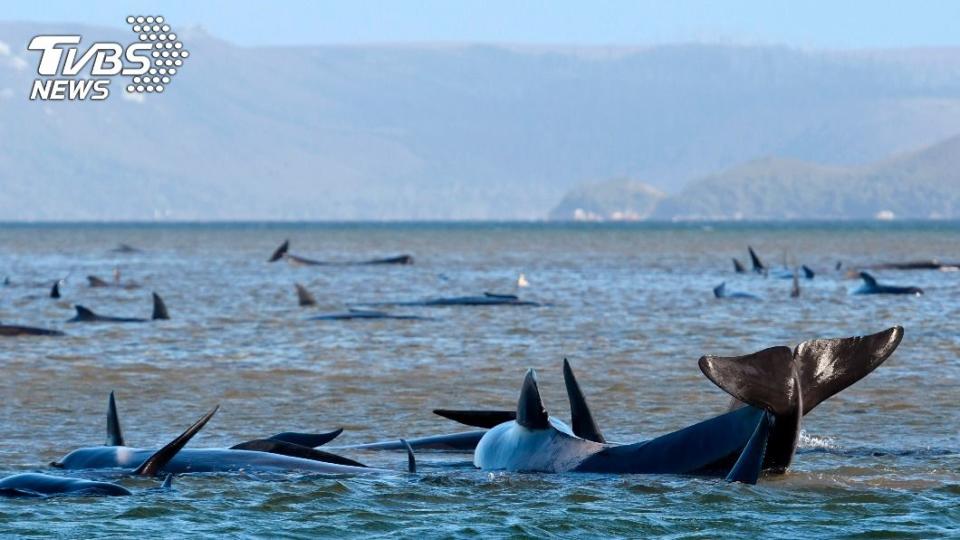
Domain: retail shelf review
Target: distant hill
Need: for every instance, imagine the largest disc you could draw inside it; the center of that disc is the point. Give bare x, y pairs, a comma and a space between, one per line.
919, 185
618, 200
446, 131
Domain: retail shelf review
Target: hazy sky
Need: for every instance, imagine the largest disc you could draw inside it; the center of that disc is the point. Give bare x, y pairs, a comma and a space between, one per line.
809, 23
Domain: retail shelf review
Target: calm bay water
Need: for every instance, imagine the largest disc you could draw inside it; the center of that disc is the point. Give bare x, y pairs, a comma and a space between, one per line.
631, 307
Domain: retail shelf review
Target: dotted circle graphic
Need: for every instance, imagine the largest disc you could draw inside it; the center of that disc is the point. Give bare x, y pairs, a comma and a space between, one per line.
167, 52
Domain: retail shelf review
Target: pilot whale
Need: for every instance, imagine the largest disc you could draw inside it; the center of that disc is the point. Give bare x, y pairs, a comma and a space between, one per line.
46, 485
364, 314
283, 252
12, 330
720, 291
870, 286
486, 299
86, 315
772, 389
284, 452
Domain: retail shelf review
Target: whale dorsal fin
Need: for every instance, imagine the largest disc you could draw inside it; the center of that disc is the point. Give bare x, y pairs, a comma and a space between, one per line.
808, 272
480, 419
580, 417
153, 464
159, 309
827, 366
764, 379
720, 290
304, 297
757, 265
84, 314
114, 433
868, 279
280, 251
738, 266
55, 290
94, 281
530, 410
411, 458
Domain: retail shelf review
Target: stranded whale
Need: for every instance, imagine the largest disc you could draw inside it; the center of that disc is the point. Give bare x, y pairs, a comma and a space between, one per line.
720, 291
46, 485
487, 299
870, 286
87, 316
283, 252
284, 452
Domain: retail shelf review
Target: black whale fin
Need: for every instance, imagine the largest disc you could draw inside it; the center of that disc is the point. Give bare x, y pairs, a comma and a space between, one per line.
583, 424
280, 251
808, 272
159, 309
411, 458
869, 280
827, 366
284, 448
84, 314
55, 290
738, 266
530, 410
720, 290
480, 419
304, 297
758, 266
311, 440
764, 379
153, 464
114, 433
748, 466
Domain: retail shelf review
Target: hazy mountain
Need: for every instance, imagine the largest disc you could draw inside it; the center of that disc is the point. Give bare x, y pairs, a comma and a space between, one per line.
920, 185
617, 199
446, 131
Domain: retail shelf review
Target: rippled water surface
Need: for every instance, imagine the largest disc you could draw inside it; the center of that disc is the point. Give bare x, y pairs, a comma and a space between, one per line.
630, 306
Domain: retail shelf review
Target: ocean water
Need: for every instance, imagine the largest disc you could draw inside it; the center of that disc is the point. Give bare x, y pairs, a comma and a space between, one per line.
631, 306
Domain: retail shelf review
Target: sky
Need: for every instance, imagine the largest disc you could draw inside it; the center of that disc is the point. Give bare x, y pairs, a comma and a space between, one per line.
827, 24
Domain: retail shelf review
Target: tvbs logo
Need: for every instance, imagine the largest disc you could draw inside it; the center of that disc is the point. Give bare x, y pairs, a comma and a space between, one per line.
151, 62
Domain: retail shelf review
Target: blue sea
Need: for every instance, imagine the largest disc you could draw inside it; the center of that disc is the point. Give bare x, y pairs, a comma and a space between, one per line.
630, 305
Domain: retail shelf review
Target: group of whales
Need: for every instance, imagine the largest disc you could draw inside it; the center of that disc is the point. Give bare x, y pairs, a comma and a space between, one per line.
772, 391
870, 284
361, 312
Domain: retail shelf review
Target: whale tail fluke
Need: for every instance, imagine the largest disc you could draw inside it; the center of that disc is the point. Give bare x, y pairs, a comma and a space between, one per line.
531, 413
738, 266
480, 419
758, 266
582, 420
827, 366
280, 251
411, 458
778, 379
55, 290
114, 433
284, 448
153, 464
159, 309
304, 298
84, 314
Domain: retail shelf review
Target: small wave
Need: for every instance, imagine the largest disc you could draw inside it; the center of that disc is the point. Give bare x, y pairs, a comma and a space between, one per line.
817, 442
